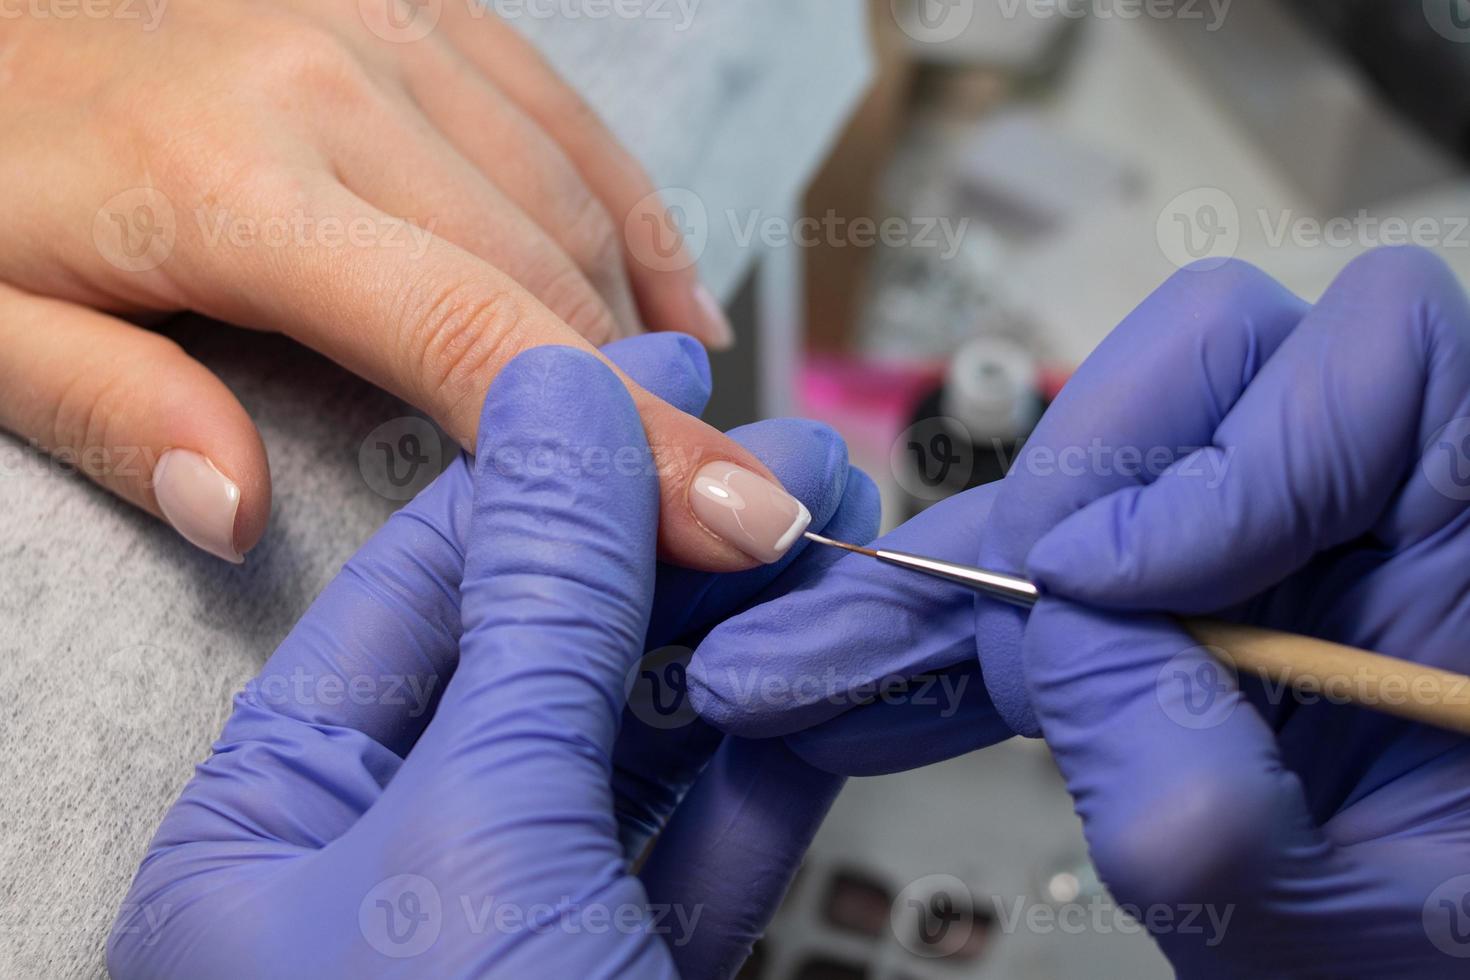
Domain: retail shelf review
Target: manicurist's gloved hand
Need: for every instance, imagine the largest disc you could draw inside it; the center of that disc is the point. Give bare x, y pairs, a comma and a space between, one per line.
434, 774
1329, 498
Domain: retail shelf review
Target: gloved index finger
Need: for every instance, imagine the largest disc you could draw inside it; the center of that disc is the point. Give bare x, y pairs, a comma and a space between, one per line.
1152, 393
1184, 797
1309, 456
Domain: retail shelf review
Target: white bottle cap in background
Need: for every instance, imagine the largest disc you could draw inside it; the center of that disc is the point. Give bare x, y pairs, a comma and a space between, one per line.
993, 388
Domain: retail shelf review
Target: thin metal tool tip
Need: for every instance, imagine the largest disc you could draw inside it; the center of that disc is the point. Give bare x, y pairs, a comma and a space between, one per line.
831, 543
1007, 588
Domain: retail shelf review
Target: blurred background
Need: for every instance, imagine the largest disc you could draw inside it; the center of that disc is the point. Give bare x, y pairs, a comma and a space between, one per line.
1018, 176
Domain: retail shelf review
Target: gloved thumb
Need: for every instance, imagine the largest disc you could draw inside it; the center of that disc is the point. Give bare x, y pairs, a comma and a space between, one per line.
558, 582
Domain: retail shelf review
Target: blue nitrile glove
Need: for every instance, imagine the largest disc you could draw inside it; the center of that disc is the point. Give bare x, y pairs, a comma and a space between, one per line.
853, 631
282, 856
843, 633
1330, 499
862, 667
1255, 834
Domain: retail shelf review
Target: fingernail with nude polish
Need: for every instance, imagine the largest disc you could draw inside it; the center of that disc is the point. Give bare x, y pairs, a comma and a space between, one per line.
721, 334
199, 501
747, 511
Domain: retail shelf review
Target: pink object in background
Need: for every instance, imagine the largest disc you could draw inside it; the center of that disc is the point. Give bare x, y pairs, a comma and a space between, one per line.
868, 402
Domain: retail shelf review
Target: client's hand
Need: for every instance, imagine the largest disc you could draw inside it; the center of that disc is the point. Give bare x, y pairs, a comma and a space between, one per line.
406, 188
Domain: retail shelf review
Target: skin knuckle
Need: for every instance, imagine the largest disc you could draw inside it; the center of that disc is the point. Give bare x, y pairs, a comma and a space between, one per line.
583, 119
594, 242
74, 415
264, 188
290, 57
456, 339
84, 416
570, 296
676, 458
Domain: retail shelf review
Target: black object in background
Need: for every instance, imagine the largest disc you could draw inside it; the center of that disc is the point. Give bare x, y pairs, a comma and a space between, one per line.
1416, 51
